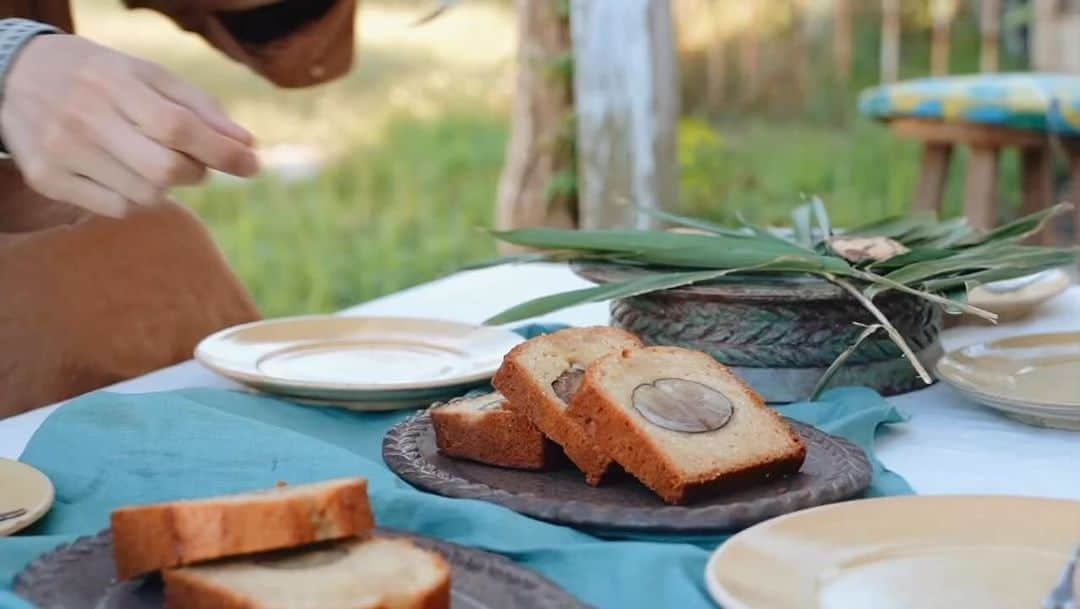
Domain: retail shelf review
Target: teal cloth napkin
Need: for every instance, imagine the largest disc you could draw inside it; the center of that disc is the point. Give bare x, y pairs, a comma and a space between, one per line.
105, 450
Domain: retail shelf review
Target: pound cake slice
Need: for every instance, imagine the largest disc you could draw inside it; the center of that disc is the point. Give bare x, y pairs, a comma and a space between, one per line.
682, 423
157, 536
372, 573
539, 376
483, 429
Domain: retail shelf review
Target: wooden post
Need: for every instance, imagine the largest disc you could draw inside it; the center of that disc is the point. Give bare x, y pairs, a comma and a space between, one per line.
1073, 153
626, 95
933, 175
538, 151
842, 43
980, 187
1036, 186
890, 40
941, 14
1044, 34
990, 32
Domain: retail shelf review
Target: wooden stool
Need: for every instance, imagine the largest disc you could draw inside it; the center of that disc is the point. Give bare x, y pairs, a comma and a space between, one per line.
1035, 113
985, 143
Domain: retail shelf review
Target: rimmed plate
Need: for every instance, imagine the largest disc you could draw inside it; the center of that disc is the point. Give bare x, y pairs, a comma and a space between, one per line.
921, 552
22, 489
1017, 298
834, 470
374, 362
82, 575
1035, 377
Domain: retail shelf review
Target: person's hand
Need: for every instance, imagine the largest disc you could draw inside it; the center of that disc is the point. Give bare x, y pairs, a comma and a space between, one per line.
102, 130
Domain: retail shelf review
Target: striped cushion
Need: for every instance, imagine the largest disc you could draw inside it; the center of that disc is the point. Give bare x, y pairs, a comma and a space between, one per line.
1040, 102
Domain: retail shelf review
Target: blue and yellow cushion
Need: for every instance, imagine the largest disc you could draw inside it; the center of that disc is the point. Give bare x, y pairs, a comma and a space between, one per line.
1039, 102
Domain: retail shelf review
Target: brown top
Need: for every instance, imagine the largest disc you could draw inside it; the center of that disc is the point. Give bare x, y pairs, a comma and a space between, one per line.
85, 300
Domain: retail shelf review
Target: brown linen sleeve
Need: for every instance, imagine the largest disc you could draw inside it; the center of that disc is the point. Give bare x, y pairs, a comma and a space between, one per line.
292, 43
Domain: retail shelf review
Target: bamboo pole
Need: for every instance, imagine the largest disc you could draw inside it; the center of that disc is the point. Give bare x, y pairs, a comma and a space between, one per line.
841, 42
890, 40
990, 32
941, 14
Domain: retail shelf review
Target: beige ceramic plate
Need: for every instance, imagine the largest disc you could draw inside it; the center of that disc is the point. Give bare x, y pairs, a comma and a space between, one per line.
1035, 378
376, 360
22, 488
928, 552
1015, 299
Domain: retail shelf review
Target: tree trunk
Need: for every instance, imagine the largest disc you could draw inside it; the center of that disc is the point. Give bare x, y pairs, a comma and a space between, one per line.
890, 40
626, 95
990, 31
536, 186
842, 43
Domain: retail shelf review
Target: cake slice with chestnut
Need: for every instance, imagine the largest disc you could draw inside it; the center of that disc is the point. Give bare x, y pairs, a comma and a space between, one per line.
682, 423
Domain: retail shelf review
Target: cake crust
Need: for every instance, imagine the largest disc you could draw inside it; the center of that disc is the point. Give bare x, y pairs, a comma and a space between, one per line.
185, 589
158, 536
536, 399
494, 436
617, 432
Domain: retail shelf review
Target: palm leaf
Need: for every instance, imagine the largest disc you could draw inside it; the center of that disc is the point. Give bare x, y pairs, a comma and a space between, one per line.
601, 293
1020, 228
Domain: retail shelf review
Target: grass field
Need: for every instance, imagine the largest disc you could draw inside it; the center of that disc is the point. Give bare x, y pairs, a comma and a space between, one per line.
411, 144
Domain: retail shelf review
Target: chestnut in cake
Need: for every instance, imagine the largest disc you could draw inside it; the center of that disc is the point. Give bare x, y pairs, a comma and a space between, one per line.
539, 377
485, 430
682, 423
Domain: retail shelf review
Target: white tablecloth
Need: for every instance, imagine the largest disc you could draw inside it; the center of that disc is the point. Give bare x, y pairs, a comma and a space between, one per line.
950, 445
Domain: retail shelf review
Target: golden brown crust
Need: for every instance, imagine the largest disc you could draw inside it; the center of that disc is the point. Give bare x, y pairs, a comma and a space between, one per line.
617, 434
516, 383
546, 411
438, 597
496, 437
152, 537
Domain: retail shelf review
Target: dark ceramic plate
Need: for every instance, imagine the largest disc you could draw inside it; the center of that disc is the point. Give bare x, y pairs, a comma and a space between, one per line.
81, 576
834, 469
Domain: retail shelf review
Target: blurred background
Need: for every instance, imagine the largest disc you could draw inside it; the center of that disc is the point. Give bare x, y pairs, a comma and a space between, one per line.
385, 178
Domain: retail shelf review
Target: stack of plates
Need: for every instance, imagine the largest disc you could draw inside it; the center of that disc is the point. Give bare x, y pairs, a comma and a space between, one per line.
1034, 378
361, 363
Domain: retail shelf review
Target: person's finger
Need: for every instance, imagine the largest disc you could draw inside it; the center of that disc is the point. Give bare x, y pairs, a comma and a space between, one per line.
56, 182
180, 129
157, 164
90, 195
198, 102
95, 163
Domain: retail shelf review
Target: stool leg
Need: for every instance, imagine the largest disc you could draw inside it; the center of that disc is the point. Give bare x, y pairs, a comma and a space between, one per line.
980, 187
1036, 186
933, 171
1074, 191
